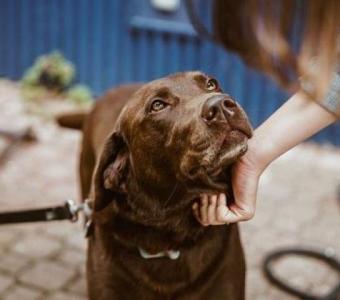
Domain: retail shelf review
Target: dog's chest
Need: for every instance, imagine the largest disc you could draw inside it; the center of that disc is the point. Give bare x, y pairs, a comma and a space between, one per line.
203, 257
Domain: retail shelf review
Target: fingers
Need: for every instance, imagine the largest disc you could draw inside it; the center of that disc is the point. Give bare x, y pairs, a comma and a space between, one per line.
197, 213
233, 213
207, 211
213, 210
222, 210
245, 174
204, 209
239, 212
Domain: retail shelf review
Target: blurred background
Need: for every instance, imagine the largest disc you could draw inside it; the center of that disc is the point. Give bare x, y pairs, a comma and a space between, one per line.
57, 56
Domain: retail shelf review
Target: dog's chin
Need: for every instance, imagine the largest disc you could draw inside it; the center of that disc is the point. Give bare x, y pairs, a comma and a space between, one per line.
216, 178
220, 173
232, 148
228, 157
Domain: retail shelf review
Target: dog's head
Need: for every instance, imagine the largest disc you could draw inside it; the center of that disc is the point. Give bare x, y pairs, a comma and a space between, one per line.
178, 130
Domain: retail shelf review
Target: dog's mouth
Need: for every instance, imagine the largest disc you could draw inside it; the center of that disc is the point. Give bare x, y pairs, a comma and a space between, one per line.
215, 173
229, 152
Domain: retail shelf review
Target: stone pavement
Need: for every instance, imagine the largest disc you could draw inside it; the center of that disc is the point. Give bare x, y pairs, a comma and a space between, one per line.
297, 205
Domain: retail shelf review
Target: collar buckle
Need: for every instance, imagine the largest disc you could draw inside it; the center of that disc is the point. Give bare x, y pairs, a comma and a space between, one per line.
172, 254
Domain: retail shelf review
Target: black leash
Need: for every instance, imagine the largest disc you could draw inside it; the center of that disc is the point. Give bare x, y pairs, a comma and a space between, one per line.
68, 211
328, 259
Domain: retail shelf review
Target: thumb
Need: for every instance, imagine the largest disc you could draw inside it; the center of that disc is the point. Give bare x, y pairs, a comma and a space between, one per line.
245, 185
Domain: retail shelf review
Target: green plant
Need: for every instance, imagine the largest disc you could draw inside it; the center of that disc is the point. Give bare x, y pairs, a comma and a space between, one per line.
52, 71
79, 94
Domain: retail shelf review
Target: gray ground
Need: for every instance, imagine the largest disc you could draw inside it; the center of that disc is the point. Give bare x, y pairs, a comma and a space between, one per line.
297, 205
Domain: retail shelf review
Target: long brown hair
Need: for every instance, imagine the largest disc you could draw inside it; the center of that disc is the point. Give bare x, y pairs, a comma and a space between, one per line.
260, 32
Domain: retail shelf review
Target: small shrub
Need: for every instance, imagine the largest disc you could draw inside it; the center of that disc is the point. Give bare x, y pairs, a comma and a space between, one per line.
79, 94
53, 72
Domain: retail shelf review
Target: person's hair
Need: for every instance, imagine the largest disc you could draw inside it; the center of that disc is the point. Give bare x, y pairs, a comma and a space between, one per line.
260, 32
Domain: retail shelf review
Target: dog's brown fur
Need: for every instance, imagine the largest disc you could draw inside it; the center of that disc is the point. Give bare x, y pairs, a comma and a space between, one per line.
144, 169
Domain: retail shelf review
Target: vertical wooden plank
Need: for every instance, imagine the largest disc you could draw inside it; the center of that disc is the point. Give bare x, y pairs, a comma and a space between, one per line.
82, 23
25, 55
127, 56
10, 39
109, 50
68, 30
3, 52
97, 44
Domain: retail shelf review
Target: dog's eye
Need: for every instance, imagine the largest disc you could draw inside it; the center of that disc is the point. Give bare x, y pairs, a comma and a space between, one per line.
212, 85
158, 105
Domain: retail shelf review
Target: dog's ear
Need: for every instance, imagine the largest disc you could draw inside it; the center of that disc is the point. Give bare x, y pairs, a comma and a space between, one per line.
115, 174
110, 175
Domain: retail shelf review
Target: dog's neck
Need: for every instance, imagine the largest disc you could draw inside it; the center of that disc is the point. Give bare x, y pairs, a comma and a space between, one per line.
154, 222
156, 206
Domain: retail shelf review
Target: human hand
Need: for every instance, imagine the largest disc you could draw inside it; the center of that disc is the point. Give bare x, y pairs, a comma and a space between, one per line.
214, 210
301, 118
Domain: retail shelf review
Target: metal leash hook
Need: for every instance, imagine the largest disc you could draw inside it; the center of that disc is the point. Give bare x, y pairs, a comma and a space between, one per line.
84, 207
75, 209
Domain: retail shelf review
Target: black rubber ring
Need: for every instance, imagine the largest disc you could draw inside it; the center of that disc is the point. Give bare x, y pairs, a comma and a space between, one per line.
329, 260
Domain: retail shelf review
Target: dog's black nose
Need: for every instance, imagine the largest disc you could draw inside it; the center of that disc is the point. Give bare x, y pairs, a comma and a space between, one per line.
218, 108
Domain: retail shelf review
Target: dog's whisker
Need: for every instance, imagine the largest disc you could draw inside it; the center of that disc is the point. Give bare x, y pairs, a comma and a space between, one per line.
172, 193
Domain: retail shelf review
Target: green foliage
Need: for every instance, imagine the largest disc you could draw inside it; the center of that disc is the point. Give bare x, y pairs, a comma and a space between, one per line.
51, 77
51, 71
79, 94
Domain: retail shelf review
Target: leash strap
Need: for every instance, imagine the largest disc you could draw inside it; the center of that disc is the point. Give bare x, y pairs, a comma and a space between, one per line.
327, 258
68, 211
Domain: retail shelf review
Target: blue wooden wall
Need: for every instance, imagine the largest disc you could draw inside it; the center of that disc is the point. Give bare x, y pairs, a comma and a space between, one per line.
118, 41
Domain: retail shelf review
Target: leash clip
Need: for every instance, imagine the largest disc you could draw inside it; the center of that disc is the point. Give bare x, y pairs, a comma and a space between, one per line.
75, 208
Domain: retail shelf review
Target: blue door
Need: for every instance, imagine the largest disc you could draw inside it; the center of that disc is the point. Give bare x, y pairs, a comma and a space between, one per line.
118, 41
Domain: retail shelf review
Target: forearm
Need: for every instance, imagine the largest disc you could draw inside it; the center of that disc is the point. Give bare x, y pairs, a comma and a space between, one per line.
298, 119
295, 121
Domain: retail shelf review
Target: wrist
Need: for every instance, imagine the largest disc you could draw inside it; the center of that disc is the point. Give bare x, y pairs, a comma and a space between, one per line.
298, 119
261, 151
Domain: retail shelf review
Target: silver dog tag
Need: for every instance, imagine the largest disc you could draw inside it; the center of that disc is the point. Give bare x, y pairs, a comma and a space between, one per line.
172, 254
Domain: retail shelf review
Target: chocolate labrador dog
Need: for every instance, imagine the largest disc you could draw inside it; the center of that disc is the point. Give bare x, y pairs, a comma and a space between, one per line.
148, 152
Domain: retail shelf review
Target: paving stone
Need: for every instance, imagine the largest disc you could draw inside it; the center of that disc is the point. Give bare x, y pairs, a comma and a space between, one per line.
65, 296
22, 229
62, 230
306, 274
82, 269
255, 284
47, 276
72, 257
77, 241
255, 251
35, 245
275, 294
323, 234
5, 282
7, 237
11, 262
22, 293
79, 286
